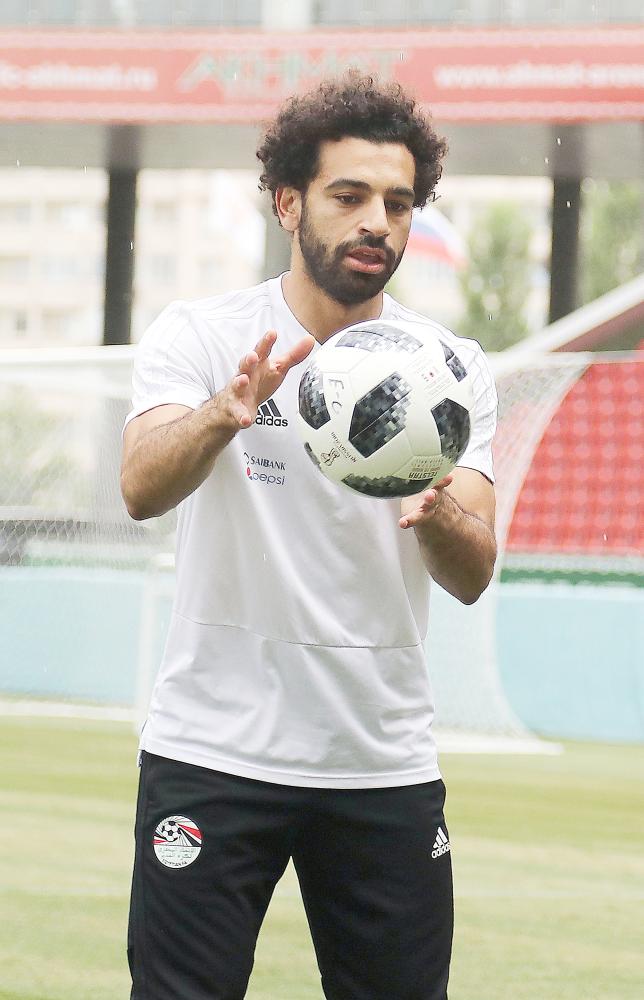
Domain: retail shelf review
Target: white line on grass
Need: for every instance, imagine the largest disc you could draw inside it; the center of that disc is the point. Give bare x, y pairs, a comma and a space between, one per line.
65, 710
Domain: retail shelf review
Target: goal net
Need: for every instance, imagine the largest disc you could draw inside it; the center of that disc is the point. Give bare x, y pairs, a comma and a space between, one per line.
72, 562
87, 591
462, 646
569, 429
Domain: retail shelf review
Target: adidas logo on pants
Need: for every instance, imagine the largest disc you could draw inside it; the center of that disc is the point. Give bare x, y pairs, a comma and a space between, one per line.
441, 844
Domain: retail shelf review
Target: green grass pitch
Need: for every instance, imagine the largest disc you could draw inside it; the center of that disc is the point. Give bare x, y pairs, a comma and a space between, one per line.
548, 855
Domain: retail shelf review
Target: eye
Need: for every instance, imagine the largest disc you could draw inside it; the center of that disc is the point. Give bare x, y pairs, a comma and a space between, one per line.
347, 199
398, 207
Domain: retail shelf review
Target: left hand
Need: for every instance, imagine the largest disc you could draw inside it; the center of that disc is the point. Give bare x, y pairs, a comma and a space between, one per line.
425, 505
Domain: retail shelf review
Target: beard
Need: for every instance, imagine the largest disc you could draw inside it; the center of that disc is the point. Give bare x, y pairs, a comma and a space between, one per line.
325, 266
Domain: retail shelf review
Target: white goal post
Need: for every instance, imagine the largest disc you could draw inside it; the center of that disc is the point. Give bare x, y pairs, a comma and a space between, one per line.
87, 590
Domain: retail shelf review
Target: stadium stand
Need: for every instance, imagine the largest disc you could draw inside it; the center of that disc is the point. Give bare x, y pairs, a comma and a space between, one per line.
583, 491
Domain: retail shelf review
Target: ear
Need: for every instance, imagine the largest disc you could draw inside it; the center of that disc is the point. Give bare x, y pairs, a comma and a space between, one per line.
288, 202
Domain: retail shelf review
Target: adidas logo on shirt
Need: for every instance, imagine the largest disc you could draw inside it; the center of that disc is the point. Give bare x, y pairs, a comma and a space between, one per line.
441, 844
269, 416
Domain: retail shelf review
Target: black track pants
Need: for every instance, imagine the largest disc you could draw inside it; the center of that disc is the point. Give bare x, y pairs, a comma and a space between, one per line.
373, 865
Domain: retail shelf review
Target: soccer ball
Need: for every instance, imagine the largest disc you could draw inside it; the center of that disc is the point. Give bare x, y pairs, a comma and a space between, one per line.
384, 408
169, 830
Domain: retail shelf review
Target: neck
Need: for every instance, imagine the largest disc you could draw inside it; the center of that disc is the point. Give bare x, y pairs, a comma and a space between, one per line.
317, 312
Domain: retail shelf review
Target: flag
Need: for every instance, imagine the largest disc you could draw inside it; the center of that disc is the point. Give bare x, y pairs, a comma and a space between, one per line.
434, 236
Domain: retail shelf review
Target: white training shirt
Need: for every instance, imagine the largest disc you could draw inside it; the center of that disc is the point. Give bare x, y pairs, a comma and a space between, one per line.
295, 650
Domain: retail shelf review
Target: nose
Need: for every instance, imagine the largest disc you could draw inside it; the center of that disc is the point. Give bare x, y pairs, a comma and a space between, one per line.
375, 221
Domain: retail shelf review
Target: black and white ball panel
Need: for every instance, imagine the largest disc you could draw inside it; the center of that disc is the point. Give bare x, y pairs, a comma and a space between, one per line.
384, 487
379, 415
380, 337
453, 424
454, 364
312, 403
309, 451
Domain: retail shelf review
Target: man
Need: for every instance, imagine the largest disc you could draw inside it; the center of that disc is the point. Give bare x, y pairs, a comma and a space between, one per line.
292, 713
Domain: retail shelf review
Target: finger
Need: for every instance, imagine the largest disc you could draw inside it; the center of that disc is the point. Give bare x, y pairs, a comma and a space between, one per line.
248, 362
232, 399
432, 495
239, 383
238, 386
415, 516
264, 346
296, 355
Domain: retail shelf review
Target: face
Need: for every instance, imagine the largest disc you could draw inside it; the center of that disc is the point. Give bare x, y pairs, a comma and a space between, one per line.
355, 217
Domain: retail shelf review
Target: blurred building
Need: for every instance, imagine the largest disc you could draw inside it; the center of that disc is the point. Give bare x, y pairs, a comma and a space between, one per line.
52, 247
160, 124
203, 232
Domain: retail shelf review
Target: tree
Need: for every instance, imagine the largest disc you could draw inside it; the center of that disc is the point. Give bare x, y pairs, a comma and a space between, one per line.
612, 236
496, 282
37, 468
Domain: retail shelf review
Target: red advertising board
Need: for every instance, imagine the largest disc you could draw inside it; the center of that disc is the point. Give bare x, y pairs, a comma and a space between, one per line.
558, 74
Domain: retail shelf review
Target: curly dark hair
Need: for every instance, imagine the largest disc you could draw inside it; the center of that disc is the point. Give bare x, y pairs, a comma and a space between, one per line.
357, 106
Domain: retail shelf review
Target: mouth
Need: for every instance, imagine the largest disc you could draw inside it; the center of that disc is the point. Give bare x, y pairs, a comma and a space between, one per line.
367, 260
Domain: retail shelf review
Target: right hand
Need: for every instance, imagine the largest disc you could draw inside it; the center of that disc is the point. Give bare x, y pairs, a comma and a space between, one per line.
259, 377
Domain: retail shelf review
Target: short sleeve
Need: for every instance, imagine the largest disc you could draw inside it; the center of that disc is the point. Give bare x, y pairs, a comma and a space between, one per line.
478, 454
171, 364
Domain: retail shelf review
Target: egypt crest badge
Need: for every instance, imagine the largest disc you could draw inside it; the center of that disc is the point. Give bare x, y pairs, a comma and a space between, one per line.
177, 841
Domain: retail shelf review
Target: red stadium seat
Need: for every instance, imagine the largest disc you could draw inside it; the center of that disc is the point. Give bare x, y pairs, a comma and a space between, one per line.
583, 491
